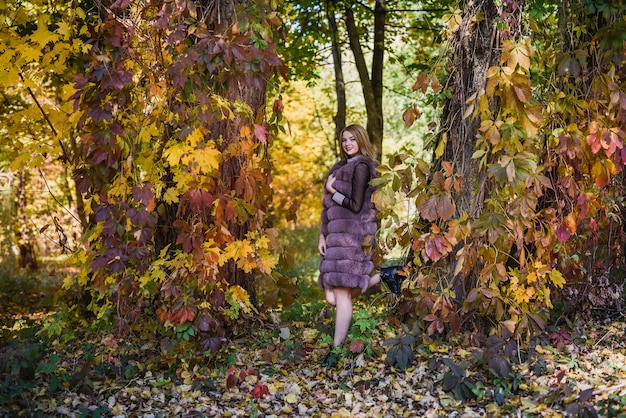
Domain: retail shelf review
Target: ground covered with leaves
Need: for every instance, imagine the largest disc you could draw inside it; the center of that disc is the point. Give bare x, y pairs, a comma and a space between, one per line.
273, 369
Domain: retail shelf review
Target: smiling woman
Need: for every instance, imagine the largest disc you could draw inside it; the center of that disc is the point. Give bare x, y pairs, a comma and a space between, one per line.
348, 229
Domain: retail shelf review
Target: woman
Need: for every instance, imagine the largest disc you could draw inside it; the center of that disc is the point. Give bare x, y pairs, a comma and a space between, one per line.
346, 241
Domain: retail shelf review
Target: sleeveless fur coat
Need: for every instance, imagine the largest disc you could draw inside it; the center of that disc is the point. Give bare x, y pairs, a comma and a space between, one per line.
349, 236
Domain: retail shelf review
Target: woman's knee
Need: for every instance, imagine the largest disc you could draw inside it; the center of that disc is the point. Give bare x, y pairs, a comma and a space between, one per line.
343, 294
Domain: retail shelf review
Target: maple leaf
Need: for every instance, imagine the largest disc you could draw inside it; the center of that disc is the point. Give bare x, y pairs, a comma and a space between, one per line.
30, 54
239, 295
42, 36
170, 196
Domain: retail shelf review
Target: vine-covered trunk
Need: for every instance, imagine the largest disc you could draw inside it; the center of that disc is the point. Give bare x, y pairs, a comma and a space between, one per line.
219, 16
474, 51
231, 169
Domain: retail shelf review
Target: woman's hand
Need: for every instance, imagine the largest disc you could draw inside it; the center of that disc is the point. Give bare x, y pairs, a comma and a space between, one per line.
321, 246
329, 184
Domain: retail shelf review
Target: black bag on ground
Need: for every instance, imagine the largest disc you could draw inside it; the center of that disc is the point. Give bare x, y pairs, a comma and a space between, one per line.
392, 278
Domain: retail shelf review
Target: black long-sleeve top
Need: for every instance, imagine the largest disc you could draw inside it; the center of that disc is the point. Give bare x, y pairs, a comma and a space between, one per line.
360, 181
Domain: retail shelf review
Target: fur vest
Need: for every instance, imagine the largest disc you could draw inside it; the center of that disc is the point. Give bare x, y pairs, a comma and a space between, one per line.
349, 236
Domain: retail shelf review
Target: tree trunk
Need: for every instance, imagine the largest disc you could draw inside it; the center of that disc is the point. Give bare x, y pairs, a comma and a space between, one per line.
219, 16
340, 85
372, 86
473, 52
24, 233
375, 120
80, 203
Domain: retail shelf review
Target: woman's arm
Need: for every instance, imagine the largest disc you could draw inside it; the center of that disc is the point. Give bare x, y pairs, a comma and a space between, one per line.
360, 181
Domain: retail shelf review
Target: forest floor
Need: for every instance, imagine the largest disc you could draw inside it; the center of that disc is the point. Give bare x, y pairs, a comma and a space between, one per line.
273, 369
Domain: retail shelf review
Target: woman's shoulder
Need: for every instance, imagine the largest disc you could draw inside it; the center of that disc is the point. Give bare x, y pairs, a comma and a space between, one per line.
371, 163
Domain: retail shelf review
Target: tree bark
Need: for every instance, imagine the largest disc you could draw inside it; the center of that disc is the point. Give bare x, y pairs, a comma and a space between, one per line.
24, 234
375, 120
473, 52
340, 85
372, 86
219, 15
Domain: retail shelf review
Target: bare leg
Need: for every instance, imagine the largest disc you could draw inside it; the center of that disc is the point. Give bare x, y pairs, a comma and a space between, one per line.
374, 280
343, 297
330, 296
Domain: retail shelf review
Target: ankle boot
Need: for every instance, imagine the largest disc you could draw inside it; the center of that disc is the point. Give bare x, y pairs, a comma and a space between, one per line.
331, 360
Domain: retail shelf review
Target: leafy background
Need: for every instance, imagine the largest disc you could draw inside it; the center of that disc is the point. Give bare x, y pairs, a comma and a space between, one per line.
159, 231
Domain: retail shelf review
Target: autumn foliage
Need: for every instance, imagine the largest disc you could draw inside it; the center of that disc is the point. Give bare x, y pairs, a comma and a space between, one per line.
168, 148
542, 232
166, 116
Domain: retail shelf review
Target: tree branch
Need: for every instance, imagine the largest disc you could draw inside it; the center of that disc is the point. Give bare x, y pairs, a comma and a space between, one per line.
65, 157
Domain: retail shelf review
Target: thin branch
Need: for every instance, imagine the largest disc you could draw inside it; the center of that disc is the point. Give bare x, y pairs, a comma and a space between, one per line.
66, 156
609, 389
43, 177
418, 10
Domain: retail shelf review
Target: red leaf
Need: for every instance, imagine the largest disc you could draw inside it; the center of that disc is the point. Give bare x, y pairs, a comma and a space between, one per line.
231, 381
455, 323
259, 390
436, 246
219, 298
260, 131
357, 346
278, 106
428, 209
446, 208
120, 4
437, 206
563, 233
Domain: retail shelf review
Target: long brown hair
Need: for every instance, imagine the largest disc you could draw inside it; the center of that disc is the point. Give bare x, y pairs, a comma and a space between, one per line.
362, 140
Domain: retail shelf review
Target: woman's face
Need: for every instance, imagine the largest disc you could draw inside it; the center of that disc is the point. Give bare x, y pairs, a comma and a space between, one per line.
349, 144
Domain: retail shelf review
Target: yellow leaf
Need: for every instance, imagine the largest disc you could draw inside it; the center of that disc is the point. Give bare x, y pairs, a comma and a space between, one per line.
557, 278
238, 249
30, 54
63, 30
523, 294
21, 16
68, 282
383, 198
195, 137
441, 146
245, 132
509, 325
42, 36
291, 398
207, 159
239, 295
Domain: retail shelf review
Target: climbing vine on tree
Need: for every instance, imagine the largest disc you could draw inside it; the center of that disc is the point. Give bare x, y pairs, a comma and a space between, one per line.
523, 209
174, 161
